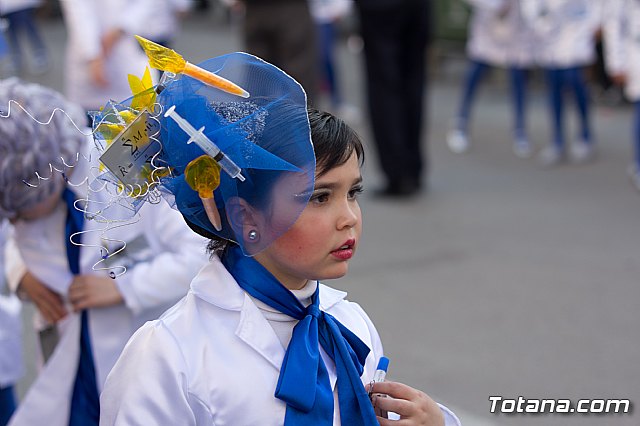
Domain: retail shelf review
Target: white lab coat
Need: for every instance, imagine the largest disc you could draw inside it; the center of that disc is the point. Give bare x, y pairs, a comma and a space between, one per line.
213, 359
565, 31
161, 17
11, 362
622, 43
87, 22
328, 11
162, 255
500, 41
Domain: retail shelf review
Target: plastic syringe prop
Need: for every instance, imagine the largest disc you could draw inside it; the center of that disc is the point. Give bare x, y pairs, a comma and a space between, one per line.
207, 145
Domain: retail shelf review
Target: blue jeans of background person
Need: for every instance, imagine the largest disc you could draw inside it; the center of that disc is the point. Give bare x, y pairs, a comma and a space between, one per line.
475, 73
518, 91
326, 40
558, 80
23, 21
636, 135
7, 404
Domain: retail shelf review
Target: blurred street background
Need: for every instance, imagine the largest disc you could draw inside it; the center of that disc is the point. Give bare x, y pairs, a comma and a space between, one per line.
500, 277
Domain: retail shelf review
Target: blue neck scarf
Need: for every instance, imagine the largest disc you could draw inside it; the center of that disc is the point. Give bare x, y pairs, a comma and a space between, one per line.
304, 383
85, 401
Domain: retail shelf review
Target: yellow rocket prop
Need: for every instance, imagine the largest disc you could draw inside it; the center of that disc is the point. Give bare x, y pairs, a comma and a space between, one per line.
166, 59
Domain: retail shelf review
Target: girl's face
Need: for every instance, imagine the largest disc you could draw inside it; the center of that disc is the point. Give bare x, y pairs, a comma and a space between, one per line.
323, 239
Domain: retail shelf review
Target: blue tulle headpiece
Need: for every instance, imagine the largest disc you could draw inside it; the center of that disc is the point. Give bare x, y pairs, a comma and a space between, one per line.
266, 136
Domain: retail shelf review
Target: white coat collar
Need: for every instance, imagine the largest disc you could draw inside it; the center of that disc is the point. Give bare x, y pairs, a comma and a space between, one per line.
215, 285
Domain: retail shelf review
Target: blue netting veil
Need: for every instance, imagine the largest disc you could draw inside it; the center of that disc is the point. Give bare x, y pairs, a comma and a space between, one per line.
266, 135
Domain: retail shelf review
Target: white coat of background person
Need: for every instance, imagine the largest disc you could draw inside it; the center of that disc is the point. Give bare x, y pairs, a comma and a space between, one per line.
161, 253
498, 37
564, 30
101, 50
11, 357
161, 18
621, 28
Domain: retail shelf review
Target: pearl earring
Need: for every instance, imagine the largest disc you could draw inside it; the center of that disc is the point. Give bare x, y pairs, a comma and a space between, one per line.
253, 235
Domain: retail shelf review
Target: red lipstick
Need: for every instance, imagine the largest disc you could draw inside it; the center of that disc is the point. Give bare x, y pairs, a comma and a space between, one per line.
345, 251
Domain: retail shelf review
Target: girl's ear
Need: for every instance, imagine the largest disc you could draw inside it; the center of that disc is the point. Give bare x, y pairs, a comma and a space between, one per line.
245, 221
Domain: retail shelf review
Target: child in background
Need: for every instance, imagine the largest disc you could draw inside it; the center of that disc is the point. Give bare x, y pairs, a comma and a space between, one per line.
70, 284
162, 19
11, 364
258, 340
499, 37
20, 15
327, 14
566, 31
622, 58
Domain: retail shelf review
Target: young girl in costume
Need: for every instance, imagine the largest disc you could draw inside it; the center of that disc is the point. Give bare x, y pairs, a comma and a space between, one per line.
622, 58
258, 340
93, 313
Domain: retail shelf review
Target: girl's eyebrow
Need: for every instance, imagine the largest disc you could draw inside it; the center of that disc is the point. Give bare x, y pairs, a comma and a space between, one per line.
333, 185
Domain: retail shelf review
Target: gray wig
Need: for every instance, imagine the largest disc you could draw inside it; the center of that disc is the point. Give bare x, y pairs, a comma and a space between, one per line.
27, 147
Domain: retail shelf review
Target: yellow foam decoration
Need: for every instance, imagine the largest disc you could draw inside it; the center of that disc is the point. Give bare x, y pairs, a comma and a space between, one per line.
144, 95
203, 175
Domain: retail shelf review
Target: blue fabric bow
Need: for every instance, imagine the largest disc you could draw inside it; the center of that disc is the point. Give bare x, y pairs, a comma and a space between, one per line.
304, 383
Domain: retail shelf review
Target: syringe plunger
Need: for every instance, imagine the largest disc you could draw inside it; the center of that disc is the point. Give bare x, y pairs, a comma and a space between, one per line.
206, 144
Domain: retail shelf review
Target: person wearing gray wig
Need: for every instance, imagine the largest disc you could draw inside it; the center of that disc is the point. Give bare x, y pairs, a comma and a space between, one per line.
27, 147
67, 263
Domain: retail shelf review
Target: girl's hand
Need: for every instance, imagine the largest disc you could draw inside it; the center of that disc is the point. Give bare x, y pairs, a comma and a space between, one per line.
48, 302
93, 291
413, 406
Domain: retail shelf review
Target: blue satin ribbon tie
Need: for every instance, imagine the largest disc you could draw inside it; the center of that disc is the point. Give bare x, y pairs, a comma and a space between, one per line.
304, 383
85, 401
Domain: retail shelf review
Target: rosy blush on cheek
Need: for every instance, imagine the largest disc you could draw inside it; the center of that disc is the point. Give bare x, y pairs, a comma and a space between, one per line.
293, 245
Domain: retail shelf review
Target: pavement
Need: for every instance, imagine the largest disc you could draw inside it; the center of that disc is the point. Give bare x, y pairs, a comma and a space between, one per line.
501, 278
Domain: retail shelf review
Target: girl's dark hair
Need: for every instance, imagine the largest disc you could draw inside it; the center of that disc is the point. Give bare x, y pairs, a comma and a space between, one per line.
333, 141
333, 144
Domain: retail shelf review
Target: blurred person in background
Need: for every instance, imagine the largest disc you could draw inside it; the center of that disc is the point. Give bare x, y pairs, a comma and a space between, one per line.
498, 37
101, 49
395, 35
11, 362
605, 90
282, 32
327, 14
78, 296
162, 20
565, 33
621, 30
19, 15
